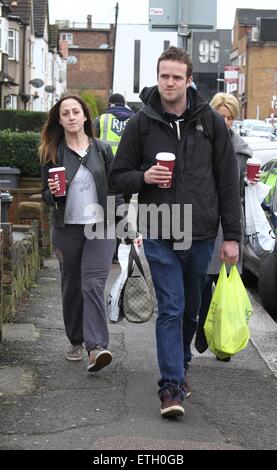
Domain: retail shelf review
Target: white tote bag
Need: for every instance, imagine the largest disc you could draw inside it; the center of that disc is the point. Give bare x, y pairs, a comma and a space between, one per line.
258, 232
114, 295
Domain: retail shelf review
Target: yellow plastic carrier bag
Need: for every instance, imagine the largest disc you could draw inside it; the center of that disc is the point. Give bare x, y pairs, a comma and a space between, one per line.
226, 326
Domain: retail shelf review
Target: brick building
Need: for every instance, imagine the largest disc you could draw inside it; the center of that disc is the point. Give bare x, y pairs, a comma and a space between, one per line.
90, 58
254, 50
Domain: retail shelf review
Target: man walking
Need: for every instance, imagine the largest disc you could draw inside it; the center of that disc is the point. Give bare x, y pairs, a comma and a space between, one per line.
176, 119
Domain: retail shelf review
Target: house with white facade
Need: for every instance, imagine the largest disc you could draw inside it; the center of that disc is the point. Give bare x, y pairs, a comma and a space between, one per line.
32, 70
136, 54
48, 67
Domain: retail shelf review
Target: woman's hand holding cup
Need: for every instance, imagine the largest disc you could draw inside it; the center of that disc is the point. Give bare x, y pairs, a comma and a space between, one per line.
52, 185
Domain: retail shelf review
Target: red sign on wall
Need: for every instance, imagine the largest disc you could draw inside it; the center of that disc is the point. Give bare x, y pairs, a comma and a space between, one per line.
231, 74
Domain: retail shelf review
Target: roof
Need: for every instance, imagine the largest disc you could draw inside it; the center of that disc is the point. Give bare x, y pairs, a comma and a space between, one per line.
53, 35
40, 14
248, 16
23, 10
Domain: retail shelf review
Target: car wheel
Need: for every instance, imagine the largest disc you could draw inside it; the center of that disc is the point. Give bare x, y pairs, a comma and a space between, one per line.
268, 284
248, 278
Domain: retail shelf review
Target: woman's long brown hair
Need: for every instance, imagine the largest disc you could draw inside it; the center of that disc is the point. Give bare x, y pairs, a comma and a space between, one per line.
53, 132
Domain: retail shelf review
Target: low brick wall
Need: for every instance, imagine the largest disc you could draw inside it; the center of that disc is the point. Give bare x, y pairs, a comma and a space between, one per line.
36, 209
19, 195
20, 266
1, 269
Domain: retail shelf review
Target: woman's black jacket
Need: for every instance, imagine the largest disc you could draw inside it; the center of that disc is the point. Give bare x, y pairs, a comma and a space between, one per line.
98, 161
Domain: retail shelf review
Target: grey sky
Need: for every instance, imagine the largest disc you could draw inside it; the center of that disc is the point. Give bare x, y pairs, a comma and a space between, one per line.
136, 11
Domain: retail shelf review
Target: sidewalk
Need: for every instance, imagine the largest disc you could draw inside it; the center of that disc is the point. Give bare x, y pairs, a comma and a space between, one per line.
47, 402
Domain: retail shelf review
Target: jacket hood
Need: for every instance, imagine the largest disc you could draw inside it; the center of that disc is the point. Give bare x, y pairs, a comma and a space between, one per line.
120, 112
150, 96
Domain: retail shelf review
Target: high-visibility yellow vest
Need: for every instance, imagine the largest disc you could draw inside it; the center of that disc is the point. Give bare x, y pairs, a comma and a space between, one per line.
111, 130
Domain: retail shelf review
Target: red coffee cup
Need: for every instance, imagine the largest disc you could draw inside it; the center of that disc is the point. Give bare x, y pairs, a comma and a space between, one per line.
166, 159
58, 175
253, 166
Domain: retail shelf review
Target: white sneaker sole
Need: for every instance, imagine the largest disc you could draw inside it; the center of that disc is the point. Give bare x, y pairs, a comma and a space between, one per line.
172, 411
73, 359
103, 359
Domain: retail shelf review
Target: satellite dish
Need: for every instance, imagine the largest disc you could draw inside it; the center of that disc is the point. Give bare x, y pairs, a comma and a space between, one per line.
49, 88
37, 82
104, 46
72, 60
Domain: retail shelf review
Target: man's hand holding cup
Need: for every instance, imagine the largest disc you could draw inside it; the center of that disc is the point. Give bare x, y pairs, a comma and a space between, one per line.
161, 173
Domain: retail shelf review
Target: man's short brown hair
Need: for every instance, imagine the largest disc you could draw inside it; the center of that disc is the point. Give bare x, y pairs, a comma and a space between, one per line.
178, 54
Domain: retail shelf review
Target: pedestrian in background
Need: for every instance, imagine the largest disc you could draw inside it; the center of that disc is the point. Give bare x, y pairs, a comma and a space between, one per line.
110, 125
228, 107
109, 128
68, 140
175, 119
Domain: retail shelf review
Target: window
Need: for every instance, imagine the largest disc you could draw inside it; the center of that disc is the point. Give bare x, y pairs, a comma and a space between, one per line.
67, 37
255, 34
3, 35
11, 101
13, 44
137, 66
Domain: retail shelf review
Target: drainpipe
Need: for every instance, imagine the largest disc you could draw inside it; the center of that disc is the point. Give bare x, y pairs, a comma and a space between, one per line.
114, 42
23, 64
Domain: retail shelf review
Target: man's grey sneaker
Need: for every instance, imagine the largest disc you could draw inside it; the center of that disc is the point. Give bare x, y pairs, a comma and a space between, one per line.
98, 359
75, 353
171, 404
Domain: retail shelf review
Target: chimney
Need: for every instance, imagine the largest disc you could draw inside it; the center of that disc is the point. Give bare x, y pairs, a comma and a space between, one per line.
63, 48
89, 17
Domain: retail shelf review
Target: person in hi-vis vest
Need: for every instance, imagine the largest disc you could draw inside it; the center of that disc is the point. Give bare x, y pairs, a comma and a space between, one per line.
110, 125
109, 128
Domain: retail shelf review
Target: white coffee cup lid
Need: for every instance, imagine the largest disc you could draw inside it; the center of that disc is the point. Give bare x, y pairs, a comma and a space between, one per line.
58, 168
253, 161
165, 156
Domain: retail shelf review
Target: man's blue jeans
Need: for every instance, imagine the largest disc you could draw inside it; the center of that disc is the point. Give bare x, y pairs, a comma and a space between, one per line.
178, 278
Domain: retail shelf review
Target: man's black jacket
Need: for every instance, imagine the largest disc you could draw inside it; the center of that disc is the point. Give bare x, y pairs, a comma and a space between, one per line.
205, 173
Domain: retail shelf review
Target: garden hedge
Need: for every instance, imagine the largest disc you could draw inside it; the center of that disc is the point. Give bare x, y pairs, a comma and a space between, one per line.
22, 121
20, 150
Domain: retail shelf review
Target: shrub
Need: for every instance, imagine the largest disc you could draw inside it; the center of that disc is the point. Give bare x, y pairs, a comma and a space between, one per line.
100, 104
20, 150
22, 121
90, 100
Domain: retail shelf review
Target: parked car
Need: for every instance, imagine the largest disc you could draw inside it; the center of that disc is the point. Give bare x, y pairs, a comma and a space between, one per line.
262, 130
236, 126
264, 267
247, 124
262, 148
272, 121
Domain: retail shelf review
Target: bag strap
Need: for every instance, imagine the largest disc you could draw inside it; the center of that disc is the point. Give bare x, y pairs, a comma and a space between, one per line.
134, 258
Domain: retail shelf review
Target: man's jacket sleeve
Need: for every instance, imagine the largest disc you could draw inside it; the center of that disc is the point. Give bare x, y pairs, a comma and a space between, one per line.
126, 175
